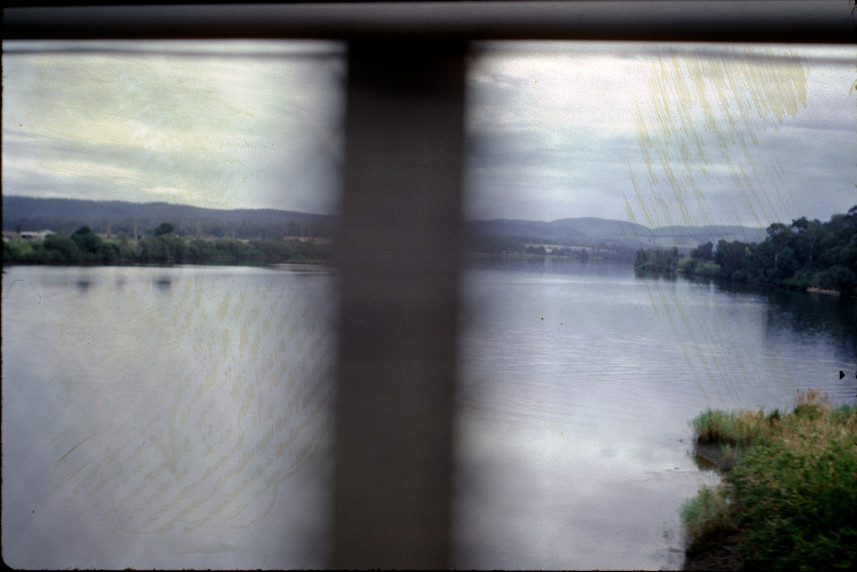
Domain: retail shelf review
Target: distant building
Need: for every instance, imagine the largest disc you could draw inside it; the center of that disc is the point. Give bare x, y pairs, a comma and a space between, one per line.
10, 235
35, 234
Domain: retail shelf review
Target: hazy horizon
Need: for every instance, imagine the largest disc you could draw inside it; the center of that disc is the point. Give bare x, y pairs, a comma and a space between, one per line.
336, 214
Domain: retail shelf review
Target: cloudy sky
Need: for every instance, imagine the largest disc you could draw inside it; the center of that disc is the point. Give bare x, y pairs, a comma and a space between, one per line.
654, 134
214, 124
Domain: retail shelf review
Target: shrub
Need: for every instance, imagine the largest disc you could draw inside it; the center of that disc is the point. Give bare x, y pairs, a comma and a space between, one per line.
708, 269
706, 513
67, 249
799, 502
687, 265
791, 499
18, 251
739, 428
86, 240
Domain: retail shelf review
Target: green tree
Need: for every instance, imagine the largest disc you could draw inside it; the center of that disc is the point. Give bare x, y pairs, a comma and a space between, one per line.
153, 249
175, 245
786, 263
66, 248
164, 228
807, 234
107, 252
126, 251
732, 257
703, 252
86, 240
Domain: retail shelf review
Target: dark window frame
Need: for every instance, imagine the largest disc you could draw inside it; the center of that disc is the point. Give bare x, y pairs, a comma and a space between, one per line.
392, 489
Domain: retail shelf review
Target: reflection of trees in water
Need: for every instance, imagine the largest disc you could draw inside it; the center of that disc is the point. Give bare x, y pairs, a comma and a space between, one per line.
806, 315
546, 264
656, 275
809, 315
203, 402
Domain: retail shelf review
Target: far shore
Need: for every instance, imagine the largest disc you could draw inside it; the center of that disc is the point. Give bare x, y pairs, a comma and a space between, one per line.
823, 291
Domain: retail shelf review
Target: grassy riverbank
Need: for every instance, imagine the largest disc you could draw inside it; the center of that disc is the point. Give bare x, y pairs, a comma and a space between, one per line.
788, 499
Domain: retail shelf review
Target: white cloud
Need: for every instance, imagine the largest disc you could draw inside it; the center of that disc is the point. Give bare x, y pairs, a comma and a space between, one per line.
662, 134
185, 116
666, 134
549, 89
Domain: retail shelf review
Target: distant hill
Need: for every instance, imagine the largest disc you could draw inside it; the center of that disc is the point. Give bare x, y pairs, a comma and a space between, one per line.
586, 231
688, 235
67, 215
543, 231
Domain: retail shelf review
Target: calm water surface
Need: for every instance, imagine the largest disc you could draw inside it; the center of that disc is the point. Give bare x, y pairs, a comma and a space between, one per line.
181, 417
579, 385
166, 417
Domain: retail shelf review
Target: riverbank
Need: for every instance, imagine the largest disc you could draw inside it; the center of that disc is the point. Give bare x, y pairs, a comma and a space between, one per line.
86, 248
709, 274
788, 498
823, 291
224, 261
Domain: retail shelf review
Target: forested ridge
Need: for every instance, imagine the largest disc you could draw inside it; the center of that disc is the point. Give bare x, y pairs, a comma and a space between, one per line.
804, 254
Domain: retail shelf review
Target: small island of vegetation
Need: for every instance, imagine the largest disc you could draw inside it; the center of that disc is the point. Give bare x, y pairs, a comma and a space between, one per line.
804, 255
788, 499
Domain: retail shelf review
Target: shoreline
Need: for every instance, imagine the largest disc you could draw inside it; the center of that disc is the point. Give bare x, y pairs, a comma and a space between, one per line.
823, 291
808, 289
168, 263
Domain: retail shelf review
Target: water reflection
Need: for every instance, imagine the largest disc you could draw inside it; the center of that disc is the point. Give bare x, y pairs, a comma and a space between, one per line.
163, 282
182, 431
192, 430
83, 285
655, 275
810, 315
789, 315
578, 386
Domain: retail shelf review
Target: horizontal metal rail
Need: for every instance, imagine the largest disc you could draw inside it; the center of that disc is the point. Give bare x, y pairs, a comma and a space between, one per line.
791, 21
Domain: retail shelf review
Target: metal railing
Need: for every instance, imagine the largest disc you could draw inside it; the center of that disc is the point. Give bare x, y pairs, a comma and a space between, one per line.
791, 21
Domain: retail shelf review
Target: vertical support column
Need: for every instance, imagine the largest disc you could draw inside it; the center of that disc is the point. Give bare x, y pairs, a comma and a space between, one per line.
399, 250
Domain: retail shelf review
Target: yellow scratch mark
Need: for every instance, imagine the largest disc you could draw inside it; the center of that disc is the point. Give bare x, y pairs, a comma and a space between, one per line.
224, 306
705, 123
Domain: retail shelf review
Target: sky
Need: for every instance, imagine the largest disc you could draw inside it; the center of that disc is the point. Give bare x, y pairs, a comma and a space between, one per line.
212, 124
656, 134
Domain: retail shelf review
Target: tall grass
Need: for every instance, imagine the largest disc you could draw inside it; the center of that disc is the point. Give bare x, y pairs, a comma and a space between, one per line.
738, 428
743, 428
792, 496
707, 512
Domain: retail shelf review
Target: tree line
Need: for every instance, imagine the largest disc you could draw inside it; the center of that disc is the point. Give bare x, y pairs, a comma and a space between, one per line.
804, 254
84, 246
247, 230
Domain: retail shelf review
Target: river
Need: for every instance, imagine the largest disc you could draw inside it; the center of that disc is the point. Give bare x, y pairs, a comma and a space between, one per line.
579, 383
182, 417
